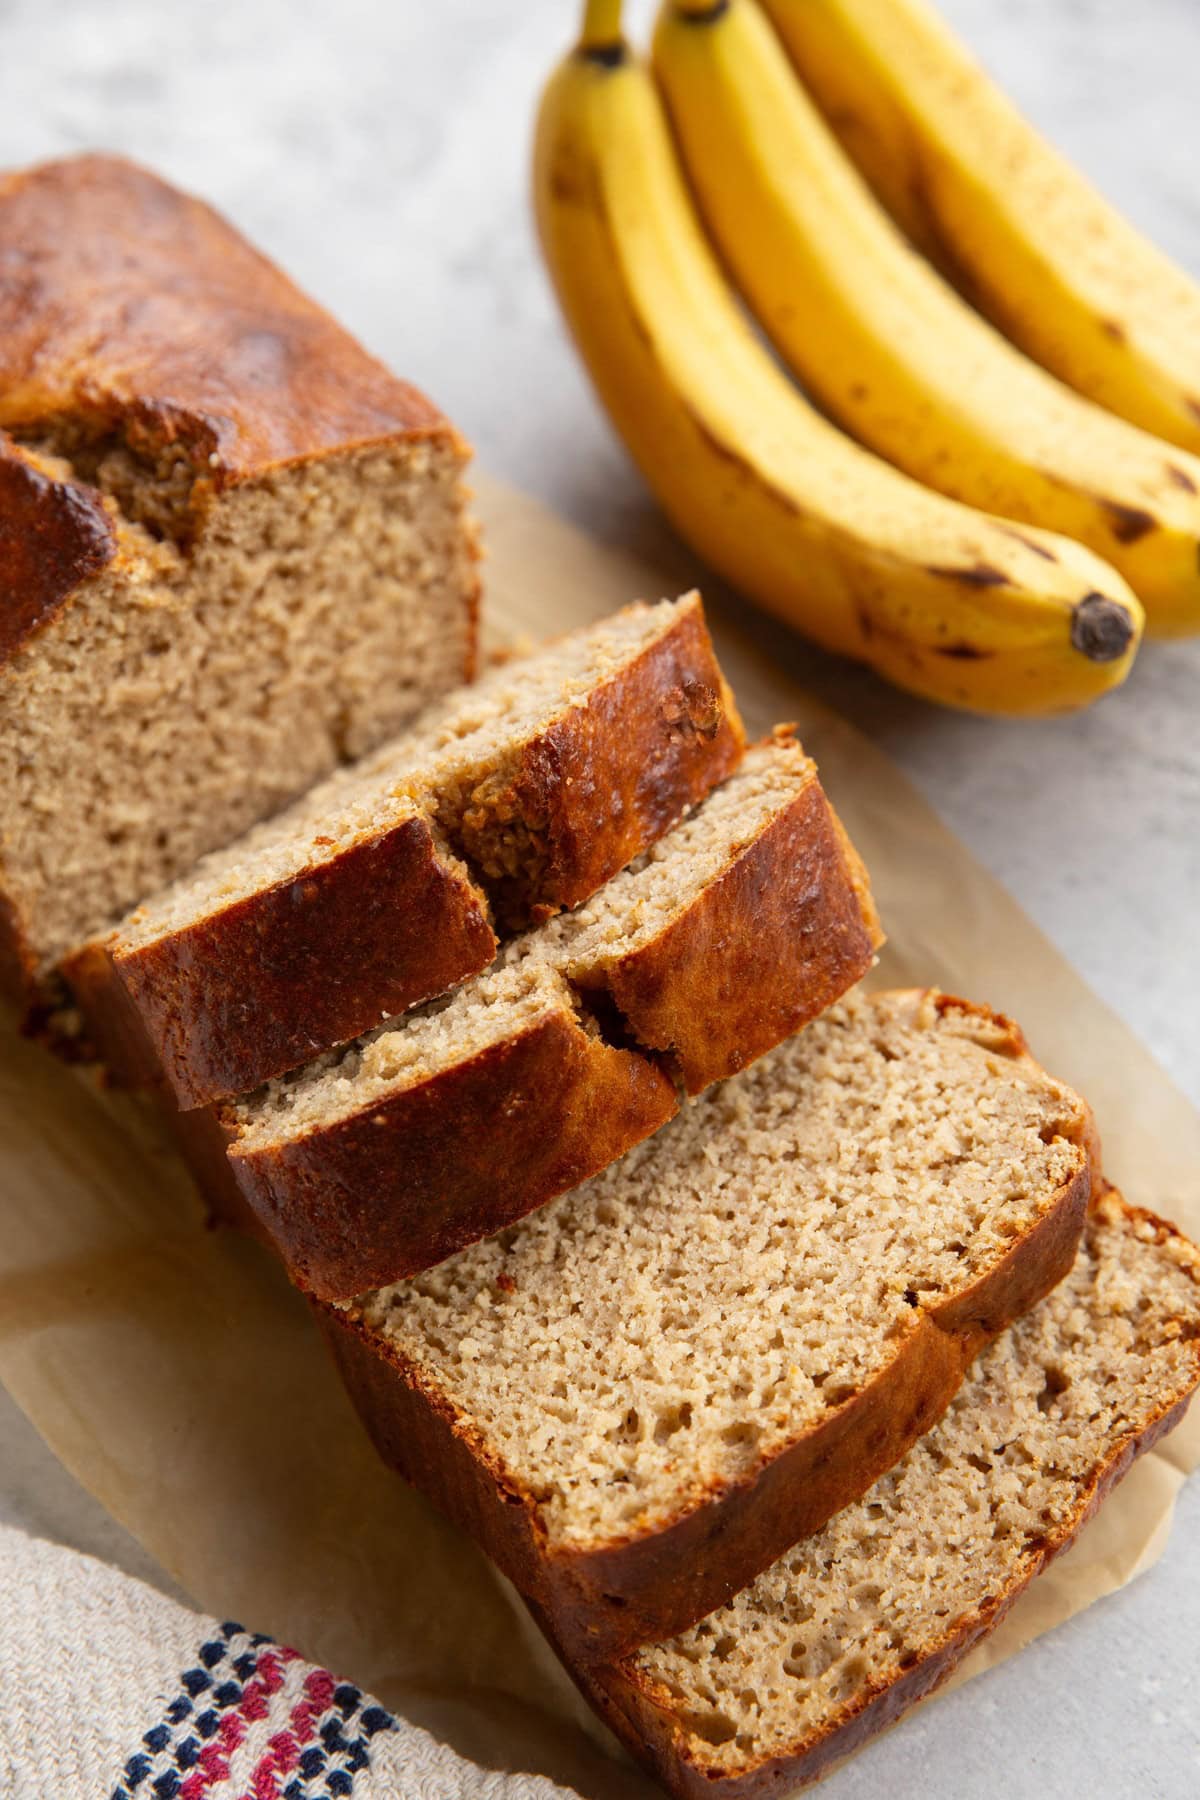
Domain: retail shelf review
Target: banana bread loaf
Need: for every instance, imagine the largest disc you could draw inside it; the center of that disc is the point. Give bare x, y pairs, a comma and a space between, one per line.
640, 1396
233, 548
736, 928
509, 800
853, 1626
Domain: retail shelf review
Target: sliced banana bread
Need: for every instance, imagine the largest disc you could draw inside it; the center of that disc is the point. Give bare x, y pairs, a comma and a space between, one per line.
356, 903
853, 1626
640, 1396
736, 928
233, 548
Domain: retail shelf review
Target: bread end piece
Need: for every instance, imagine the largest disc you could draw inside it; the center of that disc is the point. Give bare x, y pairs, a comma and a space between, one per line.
256, 988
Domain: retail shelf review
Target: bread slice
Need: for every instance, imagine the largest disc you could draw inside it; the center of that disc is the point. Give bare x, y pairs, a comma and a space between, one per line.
234, 549
641, 1395
736, 928
512, 798
856, 1624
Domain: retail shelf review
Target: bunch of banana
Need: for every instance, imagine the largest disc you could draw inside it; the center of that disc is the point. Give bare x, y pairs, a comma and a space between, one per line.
886, 346
956, 606
1026, 238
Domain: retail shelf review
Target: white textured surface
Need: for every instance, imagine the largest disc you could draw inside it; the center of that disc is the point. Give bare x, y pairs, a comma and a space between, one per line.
379, 151
74, 1627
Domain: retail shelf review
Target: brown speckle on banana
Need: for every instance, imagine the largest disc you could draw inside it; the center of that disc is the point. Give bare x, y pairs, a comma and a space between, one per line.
1030, 543
977, 575
707, 12
1129, 523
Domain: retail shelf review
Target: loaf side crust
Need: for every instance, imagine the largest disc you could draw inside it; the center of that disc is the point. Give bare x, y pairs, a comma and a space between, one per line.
631, 1704
18, 963
455, 1157
54, 536
202, 1138
765, 949
274, 979
610, 778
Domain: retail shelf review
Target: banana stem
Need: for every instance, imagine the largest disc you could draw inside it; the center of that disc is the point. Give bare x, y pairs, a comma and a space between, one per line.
601, 25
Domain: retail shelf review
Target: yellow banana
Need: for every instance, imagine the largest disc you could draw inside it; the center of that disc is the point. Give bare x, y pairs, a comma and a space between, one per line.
885, 344
1026, 237
957, 607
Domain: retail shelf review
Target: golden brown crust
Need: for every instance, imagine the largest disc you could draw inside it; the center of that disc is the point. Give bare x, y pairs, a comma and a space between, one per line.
641, 1715
18, 964
114, 1032
278, 977
203, 1139
273, 979
120, 294
767, 947
856, 870
131, 311
454, 1158
608, 779
54, 535
599, 1603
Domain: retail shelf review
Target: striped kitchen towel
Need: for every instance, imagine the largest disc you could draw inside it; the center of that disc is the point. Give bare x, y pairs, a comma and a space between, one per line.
115, 1692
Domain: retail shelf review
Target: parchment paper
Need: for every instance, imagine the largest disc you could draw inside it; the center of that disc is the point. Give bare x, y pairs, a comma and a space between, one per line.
181, 1381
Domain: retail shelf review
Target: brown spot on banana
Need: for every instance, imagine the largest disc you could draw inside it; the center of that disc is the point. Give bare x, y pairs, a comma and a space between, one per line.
1101, 629
1112, 329
1182, 479
738, 461
963, 652
976, 575
572, 182
843, 119
939, 242
1129, 523
703, 14
1029, 543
